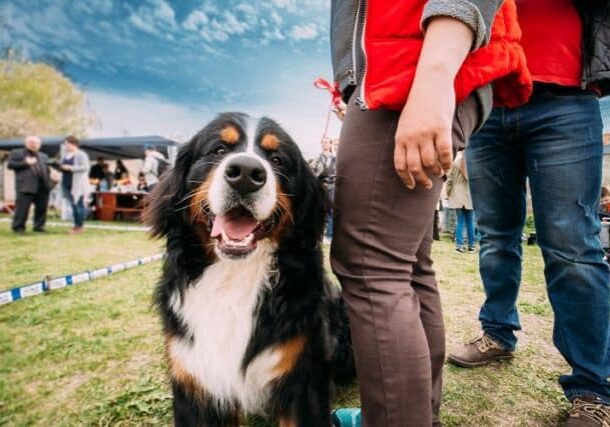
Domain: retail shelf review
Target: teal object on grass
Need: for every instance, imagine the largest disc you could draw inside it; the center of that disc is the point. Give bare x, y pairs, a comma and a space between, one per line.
347, 417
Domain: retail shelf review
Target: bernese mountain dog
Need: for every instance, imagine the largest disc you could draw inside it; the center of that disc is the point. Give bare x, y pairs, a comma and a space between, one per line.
251, 324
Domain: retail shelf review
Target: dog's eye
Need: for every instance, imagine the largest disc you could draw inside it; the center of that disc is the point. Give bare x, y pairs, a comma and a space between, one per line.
277, 161
220, 151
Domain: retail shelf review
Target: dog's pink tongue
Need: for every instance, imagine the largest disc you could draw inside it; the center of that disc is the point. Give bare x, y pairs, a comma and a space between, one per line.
237, 228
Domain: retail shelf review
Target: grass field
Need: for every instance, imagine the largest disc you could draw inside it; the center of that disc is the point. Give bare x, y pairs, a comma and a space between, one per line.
92, 354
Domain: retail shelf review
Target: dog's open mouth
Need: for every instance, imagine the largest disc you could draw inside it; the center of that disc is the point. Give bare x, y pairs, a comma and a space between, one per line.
238, 232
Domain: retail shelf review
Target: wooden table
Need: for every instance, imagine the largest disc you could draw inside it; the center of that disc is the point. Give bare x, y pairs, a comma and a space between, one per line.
110, 206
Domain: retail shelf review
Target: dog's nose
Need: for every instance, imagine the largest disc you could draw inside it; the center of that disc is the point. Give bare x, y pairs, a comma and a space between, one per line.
245, 174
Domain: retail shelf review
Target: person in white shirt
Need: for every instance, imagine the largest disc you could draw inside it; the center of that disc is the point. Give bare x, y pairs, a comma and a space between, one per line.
151, 169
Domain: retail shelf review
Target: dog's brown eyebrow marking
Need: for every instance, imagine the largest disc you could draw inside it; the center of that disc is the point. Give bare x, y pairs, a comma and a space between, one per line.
270, 142
229, 134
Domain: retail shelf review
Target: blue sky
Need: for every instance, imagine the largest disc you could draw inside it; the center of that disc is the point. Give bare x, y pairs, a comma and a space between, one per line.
162, 66
167, 66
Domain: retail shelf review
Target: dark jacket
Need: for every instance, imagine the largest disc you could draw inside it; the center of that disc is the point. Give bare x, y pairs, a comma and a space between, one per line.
26, 178
596, 43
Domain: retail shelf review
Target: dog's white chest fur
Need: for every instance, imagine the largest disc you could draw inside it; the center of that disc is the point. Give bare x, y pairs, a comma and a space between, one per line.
218, 311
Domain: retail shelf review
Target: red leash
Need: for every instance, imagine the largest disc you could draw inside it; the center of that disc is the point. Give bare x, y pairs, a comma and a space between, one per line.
335, 102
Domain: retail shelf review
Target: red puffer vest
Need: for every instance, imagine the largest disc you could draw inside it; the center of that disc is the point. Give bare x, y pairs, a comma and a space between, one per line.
392, 43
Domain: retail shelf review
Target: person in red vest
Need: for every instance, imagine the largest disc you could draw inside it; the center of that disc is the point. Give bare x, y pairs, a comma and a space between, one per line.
416, 76
555, 142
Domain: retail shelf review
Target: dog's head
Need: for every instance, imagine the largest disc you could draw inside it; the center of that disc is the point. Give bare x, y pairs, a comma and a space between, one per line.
238, 182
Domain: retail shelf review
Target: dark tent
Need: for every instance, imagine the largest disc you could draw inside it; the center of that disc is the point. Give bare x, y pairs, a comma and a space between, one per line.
125, 147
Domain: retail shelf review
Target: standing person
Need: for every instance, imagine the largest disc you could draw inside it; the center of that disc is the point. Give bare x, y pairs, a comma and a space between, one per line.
324, 169
152, 168
75, 180
459, 199
554, 141
98, 170
120, 169
142, 185
107, 181
604, 202
335, 146
420, 83
32, 184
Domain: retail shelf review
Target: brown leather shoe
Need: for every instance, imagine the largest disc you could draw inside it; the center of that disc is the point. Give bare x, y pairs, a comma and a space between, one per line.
588, 412
480, 351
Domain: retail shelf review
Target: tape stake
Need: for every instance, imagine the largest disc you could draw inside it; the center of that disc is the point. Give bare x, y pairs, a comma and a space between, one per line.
116, 268
132, 264
101, 272
6, 297
80, 277
31, 290
58, 283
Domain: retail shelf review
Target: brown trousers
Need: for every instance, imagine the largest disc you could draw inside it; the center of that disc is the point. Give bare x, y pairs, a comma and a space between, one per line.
381, 254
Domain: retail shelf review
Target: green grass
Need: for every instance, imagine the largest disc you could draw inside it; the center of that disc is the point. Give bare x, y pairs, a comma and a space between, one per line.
92, 354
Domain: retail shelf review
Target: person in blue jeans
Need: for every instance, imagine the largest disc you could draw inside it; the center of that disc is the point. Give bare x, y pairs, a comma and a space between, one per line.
459, 199
75, 180
554, 141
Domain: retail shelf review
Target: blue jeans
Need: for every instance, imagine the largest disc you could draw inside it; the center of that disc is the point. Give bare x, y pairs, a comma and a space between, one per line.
78, 208
556, 142
465, 217
329, 218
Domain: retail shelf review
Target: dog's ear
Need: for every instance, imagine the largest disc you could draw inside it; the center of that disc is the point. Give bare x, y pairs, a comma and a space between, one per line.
163, 203
312, 208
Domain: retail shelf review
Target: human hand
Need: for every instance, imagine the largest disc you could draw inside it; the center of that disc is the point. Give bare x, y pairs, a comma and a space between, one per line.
423, 135
31, 160
66, 168
340, 110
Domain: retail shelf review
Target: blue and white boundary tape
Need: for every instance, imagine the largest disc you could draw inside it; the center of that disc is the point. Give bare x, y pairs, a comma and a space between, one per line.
49, 284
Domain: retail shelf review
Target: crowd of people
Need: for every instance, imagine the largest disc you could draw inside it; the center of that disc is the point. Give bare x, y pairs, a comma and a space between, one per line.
72, 177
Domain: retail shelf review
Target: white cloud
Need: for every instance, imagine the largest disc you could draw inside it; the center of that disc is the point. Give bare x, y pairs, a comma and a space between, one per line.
284, 4
195, 20
234, 25
276, 18
300, 6
143, 24
247, 9
256, 23
155, 17
164, 12
270, 35
95, 6
304, 32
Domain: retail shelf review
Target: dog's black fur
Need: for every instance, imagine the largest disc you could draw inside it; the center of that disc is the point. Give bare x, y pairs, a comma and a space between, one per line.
301, 302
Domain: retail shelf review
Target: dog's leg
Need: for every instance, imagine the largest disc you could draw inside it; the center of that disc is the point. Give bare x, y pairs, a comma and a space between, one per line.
199, 410
309, 402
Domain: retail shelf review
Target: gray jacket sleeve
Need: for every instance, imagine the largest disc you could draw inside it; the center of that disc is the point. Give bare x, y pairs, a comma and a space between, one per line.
81, 162
477, 14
